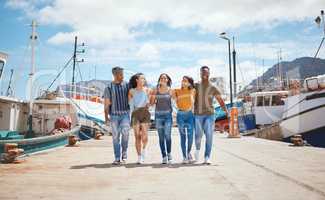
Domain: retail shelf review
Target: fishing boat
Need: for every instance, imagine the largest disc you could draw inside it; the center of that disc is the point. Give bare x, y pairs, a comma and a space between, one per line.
304, 113
246, 119
15, 129
90, 109
268, 106
32, 124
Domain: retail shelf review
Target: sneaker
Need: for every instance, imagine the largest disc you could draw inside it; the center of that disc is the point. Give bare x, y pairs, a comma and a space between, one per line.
143, 155
124, 156
139, 160
189, 158
207, 161
165, 160
185, 161
116, 162
170, 158
197, 155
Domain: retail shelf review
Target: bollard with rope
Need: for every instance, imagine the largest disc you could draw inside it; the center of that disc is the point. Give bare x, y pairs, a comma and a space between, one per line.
233, 124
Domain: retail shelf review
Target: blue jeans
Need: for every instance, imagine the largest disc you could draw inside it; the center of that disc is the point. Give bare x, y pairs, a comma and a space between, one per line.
185, 123
120, 127
164, 123
204, 124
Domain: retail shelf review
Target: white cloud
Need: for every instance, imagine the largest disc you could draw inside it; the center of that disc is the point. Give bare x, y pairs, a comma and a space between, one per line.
111, 29
214, 62
148, 51
100, 21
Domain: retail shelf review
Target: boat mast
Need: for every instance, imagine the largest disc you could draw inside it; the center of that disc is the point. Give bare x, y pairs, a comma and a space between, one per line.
33, 38
74, 66
280, 68
75, 60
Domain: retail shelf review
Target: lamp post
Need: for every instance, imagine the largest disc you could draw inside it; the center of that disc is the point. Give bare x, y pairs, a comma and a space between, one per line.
319, 20
223, 36
234, 65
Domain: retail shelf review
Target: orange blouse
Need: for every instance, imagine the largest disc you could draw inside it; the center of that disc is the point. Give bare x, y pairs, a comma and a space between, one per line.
184, 99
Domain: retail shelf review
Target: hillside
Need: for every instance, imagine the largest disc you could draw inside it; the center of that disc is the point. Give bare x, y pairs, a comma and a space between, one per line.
299, 68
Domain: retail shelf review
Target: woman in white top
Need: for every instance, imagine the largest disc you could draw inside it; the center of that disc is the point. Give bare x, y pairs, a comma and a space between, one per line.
140, 119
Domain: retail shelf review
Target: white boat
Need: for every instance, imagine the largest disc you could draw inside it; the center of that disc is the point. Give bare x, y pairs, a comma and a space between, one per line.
90, 109
304, 113
14, 124
31, 124
268, 106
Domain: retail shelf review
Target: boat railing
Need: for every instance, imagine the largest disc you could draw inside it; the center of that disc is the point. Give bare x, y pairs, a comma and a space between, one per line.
83, 93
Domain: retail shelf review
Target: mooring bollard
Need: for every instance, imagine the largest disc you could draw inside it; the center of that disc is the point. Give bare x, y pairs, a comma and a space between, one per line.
72, 140
9, 146
98, 134
11, 152
297, 140
233, 125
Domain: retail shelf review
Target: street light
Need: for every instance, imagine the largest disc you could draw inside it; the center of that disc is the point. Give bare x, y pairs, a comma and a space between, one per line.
223, 36
319, 20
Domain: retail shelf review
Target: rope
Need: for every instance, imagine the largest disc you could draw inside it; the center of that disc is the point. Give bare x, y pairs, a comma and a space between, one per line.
58, 75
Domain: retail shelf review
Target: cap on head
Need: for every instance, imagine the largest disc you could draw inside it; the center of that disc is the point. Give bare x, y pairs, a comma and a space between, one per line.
116, 70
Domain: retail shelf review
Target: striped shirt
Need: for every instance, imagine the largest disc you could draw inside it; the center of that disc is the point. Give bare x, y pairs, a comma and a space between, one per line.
118, 95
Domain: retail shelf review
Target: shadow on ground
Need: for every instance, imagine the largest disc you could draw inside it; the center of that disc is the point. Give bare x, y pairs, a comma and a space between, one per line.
135, 165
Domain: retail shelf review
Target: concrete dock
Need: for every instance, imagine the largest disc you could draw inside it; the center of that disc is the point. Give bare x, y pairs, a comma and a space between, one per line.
245, 168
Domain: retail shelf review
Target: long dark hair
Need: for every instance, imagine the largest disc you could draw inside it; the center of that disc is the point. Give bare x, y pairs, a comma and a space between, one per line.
169, 80
190, 80
133, 80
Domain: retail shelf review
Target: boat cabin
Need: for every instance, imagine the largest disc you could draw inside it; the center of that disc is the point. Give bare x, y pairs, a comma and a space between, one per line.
268, 106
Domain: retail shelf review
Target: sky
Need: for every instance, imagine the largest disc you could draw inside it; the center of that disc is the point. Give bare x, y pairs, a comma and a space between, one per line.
153, 37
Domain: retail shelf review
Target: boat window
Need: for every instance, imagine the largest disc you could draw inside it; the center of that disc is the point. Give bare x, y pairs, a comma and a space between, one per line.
277, 101
267, 100
259, 101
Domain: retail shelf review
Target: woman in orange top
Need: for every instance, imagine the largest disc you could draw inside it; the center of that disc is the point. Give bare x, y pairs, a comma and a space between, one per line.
184, 98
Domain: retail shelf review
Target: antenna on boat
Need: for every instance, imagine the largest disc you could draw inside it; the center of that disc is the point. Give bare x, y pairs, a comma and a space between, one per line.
33, 38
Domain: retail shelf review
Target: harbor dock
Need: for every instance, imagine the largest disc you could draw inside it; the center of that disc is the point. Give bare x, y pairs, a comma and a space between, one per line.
243, 168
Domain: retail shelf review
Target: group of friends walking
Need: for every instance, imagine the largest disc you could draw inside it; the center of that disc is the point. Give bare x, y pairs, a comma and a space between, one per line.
127, 105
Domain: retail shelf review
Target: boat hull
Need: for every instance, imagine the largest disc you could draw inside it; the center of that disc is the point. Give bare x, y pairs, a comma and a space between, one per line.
33, 145
314, 137
86, 133
306, 117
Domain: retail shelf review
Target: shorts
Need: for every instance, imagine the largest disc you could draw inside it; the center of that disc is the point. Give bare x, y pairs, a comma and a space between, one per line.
140, 115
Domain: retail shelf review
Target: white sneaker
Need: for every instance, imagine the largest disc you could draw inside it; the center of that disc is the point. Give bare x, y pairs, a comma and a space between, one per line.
189, 158
143, 155
170, 158
185, 161
207, 161
197, 155
139, 160
165, 160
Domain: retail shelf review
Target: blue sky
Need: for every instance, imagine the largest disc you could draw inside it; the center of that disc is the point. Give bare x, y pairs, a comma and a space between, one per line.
154, 37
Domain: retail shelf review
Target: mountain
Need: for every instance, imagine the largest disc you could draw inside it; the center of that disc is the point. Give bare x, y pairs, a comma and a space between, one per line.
299, 68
